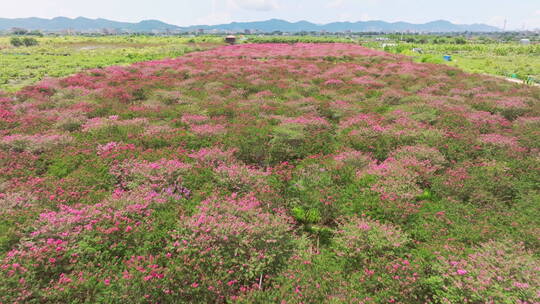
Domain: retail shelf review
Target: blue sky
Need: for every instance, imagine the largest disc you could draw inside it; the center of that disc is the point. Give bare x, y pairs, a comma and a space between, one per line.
519, 13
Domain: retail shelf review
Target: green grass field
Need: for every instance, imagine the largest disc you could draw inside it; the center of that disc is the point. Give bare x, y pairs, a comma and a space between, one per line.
62, 56
501, 59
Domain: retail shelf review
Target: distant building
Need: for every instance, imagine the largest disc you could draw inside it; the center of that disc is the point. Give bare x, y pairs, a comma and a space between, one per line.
108, 31
230, 39
525, 41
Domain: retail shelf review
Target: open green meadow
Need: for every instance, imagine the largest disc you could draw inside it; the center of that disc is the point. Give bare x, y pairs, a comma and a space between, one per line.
502, 59
63, 56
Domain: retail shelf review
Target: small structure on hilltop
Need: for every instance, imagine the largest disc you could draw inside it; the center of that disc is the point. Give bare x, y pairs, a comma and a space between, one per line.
230, 39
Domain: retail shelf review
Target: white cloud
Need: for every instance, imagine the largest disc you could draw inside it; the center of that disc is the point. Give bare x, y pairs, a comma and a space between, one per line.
344, 16
217, 15
336, 3
257, 5
224, 11
366, 17
215, 18
537, 12
344, 3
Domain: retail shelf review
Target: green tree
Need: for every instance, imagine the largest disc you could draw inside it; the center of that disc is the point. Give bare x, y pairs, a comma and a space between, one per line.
16, 42
29, 41
35, 33
460, 40
19, 31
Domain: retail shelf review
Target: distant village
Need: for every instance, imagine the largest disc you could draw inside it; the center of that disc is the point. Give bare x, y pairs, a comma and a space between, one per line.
524, 37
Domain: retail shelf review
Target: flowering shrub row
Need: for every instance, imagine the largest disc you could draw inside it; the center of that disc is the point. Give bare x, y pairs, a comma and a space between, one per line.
271, 173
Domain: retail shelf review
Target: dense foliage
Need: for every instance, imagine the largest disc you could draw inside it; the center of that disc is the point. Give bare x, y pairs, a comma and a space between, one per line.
271, 173
17, 42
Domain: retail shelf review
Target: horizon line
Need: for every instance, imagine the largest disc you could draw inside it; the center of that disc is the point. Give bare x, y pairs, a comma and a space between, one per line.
271, 19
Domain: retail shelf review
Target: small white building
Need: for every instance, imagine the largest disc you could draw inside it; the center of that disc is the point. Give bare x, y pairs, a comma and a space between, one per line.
525, 41
231, 39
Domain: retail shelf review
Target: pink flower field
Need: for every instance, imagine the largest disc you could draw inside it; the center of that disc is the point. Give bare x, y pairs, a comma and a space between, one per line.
271, 173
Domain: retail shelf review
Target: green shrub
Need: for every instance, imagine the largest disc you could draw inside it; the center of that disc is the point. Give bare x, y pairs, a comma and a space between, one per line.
484, 184
496, 272
230, 244
29, 41
310, 191
360, 239
16, 42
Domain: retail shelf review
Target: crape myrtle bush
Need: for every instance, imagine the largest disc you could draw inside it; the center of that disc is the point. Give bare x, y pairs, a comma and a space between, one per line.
271, 173
496, 272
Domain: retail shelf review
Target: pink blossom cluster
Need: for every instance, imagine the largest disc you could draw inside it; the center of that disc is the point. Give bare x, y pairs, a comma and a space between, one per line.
194, 119
499, 140
131, 173
99, 122
238, 237
208, 129
307, 121
498, 271
300, 49
113, 147
34, 143
213, 156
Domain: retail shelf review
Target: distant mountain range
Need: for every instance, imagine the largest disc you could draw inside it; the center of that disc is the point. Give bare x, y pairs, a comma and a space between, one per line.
83, 24
86, 24
360, 26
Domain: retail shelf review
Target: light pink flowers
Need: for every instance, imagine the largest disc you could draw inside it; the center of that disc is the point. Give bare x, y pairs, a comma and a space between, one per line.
208, 129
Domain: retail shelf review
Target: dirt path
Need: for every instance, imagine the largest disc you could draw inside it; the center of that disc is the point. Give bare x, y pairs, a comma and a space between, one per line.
514, 80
